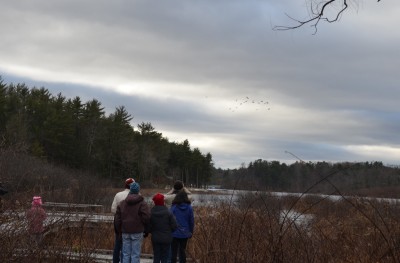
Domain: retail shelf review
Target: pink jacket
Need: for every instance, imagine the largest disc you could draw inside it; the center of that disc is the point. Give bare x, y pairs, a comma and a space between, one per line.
36, 216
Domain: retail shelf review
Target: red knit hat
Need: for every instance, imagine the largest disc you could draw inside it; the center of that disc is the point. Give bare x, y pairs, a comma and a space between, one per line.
158, 199
128, 182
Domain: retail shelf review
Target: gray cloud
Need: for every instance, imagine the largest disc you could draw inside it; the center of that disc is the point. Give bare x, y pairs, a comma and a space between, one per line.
181, 65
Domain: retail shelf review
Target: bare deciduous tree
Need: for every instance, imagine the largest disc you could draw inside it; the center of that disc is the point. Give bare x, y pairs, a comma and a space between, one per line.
319, 10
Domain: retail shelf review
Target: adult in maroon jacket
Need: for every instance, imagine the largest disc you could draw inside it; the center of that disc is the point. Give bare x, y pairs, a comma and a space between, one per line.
117, 253
132, 219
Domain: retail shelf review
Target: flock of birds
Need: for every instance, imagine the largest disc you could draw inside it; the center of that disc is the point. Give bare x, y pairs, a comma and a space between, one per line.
258, 104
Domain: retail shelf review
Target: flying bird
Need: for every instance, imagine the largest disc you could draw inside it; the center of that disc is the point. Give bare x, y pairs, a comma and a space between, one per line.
240, 103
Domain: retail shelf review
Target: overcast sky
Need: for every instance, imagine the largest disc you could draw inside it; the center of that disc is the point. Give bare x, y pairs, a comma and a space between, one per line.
214, 72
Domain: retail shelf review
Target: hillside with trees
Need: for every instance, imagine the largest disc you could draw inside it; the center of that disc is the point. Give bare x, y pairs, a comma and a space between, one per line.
81, 136
39, 129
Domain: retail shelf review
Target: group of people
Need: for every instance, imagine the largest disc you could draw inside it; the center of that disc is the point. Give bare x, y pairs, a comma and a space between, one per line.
170, 222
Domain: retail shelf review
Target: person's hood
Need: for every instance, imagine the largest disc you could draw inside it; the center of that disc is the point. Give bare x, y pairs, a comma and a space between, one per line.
159, 210
183, 206
133, 199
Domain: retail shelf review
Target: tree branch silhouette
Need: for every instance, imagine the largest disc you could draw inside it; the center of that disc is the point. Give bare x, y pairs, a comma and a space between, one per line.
318, 14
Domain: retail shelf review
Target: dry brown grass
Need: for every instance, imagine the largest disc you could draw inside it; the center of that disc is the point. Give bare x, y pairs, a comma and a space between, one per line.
253, 230
344, 231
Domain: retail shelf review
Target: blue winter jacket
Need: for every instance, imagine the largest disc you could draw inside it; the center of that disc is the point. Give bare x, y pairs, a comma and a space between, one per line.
185, 220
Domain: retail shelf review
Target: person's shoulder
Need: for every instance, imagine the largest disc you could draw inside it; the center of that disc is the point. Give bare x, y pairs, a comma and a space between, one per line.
135, 199
143, 201
168, 198
170, 191
121, 195
187, 191
160, 209
122, 203
125, 191
169, 195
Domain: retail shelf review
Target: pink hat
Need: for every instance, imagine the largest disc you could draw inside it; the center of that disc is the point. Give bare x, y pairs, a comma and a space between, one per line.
37, 201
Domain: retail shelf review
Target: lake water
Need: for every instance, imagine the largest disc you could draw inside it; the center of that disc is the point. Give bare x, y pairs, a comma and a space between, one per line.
228, 195
216, 196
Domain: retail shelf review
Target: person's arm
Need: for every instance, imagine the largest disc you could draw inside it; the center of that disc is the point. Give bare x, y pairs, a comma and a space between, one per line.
118, 219
28, 215
44, 215
114, 205
172, 221
144, 212
149, 228
191, 220
187, 190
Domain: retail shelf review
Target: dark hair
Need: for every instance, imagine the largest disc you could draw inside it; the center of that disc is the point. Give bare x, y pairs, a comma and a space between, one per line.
180, 198
178, 185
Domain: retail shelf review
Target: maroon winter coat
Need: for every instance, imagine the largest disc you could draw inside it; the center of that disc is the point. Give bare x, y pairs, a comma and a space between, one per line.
36, 216
133, 215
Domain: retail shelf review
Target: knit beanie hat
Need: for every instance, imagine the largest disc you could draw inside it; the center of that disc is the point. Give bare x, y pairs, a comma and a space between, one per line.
37, 201
178, 185
128, 182
134, 188
158, 199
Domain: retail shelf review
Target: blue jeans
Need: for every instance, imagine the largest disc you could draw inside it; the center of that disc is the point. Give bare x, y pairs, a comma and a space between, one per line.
117, 253
131, 247
161, 252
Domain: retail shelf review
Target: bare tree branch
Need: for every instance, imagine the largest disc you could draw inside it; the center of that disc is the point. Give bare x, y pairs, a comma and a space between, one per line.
317, 15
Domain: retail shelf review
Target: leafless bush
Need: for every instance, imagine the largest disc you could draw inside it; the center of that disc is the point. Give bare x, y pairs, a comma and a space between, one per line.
25, 176
65, 239
318, 229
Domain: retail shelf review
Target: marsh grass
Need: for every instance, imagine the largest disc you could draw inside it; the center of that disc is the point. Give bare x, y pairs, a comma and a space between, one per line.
258, 228
348, 230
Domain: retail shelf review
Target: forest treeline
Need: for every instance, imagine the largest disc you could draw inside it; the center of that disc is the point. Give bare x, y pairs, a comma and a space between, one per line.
358, 178
79, 135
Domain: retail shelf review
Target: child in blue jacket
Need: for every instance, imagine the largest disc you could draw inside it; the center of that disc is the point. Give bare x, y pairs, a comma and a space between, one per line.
182, 210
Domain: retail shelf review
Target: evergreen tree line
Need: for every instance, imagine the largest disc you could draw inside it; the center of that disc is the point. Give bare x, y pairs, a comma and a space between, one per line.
79, 135
364, 178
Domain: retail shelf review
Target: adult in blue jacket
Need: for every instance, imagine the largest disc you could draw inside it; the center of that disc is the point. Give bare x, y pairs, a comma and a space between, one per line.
182, 210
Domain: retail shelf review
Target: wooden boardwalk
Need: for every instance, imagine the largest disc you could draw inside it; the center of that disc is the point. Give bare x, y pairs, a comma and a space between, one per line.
102, 256
98, 256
